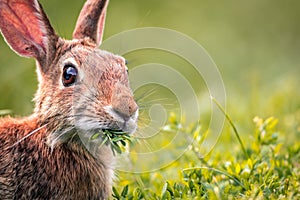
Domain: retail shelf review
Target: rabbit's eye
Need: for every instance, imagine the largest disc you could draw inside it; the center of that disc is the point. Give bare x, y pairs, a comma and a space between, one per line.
69, 75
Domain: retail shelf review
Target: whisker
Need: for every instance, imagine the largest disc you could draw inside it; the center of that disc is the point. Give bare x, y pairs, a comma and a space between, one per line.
158, 100
162, 101
27, 136
145, 144
140, 135
58, 136
146, 94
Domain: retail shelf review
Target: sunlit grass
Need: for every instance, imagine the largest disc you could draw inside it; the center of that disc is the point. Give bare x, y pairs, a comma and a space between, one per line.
269, 170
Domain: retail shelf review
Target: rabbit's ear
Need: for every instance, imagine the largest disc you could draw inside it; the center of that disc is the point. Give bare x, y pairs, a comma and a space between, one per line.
91, 21
26, 28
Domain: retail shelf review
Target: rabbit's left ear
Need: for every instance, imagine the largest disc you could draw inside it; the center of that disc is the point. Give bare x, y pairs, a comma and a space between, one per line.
91, 21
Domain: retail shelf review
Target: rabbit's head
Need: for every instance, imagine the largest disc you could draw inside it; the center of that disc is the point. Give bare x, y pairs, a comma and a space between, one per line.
81, 88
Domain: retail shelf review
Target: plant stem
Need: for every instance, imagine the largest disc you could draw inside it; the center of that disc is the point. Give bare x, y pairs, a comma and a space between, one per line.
232, 125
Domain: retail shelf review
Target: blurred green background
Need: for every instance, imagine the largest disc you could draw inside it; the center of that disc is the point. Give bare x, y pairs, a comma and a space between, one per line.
255, 45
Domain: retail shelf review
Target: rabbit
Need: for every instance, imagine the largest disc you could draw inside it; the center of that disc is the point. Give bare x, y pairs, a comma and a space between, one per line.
82, 90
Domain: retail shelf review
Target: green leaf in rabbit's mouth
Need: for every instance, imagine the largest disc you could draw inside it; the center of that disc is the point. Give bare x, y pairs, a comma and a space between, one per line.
116, 139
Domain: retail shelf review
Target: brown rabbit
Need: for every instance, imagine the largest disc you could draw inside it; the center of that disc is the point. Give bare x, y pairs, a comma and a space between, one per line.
82, 90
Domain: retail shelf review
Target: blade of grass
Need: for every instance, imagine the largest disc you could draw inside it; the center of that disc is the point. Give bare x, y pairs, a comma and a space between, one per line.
232, 125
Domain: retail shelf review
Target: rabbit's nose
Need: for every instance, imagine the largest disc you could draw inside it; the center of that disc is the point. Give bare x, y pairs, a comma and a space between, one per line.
123, 103
125, 107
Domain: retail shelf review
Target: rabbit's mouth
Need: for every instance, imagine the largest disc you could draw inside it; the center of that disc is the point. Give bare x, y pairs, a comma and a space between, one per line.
113, 131
127, 124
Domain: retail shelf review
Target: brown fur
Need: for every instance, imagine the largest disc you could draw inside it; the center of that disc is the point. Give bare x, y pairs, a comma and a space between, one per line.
48, 155
31, 170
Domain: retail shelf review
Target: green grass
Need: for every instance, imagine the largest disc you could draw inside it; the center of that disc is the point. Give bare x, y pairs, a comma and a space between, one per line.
117, 140
268, 170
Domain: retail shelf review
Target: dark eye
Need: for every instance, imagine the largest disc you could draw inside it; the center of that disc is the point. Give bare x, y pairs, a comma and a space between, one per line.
69, 75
